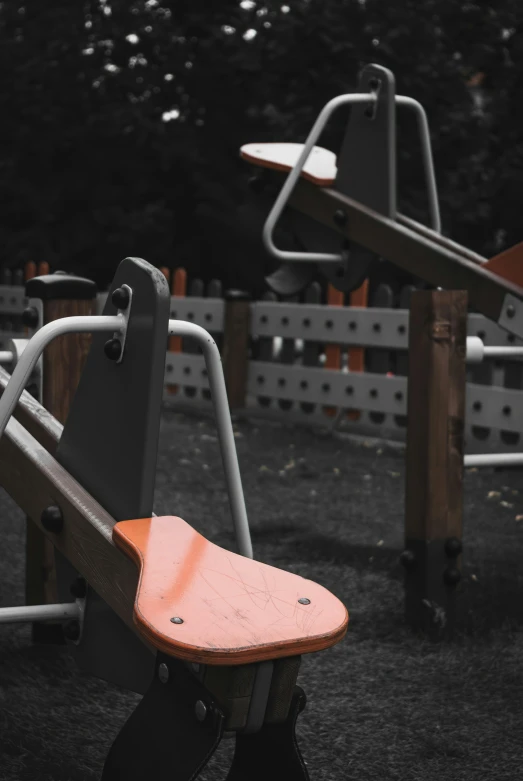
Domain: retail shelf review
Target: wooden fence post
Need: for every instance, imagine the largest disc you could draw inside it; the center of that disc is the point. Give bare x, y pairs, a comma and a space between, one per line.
434, 459
63, 361
235, 351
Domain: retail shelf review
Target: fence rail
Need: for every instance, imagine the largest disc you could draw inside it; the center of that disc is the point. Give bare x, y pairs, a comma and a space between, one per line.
289, 368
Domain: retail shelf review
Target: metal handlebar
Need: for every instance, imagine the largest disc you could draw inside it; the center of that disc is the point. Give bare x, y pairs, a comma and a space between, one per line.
294, 174
118, 324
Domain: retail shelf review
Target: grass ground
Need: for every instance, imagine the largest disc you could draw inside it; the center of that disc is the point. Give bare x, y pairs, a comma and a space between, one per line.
383, 704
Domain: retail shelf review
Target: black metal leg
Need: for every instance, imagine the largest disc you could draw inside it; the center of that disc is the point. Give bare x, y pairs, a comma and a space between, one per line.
272, 754
173, 732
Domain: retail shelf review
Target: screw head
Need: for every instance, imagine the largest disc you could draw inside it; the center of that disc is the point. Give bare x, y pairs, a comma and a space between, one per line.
511, 311
452, 576
304, 601
113, 349
163, 673
176, 620
120, 298
52, 519
408, 560
340, 218
30, 317
200, 710
453, 547
79, 588
72, 630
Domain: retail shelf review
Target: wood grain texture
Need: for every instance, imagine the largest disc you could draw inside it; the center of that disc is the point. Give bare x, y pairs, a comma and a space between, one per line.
63, 361
436, 414
235, 348
234, 610
34, 418
35, 480
411, 251
64, 357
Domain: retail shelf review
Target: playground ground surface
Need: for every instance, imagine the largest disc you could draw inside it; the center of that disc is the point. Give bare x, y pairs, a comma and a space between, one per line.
384, 703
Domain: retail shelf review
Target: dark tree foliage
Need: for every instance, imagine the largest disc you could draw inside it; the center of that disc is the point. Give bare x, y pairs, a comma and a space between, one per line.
122, 119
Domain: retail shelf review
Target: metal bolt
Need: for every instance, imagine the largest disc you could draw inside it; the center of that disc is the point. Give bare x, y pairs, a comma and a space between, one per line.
72, 630
176, 620
304, 601
340, 218
452, 576
30, 317
408, 560
79, 588
113, 349
511, 310
52, 519
163, 673
453, 547
120, 298
200, 710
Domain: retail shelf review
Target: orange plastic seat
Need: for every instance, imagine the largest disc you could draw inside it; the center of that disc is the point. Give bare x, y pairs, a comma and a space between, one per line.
233, 610
319, 169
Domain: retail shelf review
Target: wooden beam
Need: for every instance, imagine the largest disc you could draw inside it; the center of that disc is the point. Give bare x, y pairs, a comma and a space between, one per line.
33, 478
410, 250
434, 459
34, 418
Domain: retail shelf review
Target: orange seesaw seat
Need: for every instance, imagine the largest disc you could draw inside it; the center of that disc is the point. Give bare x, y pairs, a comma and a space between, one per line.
321, 170
233, 610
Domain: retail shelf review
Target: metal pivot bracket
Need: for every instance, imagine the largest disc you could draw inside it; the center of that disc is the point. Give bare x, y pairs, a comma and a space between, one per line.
366, 172
179, 723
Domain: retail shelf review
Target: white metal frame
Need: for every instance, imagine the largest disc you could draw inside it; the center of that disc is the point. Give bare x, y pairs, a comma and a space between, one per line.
312, 138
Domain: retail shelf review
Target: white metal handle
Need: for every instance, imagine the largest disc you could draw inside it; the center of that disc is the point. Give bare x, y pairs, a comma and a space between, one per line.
118, 324
213, 363
312, 138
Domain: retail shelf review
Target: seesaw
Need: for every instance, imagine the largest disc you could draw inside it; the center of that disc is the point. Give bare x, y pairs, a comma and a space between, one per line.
352, 200
211, 638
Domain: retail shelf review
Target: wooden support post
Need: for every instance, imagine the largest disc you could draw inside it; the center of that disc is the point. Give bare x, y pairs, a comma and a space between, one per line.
434, 459
63, 361
235, 353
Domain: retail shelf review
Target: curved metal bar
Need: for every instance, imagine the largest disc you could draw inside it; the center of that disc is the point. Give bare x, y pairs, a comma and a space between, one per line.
428, 162
35, 347
213, 363
312, 138
294, 174
493, 459
60, 612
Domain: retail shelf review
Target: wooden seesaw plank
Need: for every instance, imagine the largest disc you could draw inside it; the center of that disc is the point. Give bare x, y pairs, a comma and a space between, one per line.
34, 418
33, 478
277, 624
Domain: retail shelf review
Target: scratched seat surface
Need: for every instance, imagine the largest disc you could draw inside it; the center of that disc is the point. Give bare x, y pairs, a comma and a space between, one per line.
234, 610
319, 169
